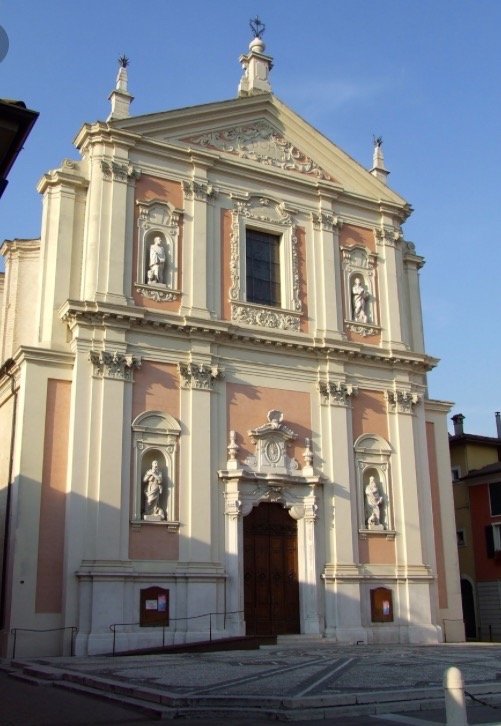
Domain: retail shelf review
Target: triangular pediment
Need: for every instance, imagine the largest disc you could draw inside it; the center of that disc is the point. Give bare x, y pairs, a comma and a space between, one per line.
261, 130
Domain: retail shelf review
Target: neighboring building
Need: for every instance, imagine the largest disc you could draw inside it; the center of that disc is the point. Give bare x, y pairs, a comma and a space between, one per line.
215, 386
16, 122
476, 475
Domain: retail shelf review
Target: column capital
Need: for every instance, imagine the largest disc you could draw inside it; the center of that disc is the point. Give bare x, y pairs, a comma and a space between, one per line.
402, 401
200, 376
118, 366
336, 393
200, 191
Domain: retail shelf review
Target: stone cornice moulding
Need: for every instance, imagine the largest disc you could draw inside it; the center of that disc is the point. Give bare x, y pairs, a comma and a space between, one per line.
31, 354
92, 314
20, 247
105, 133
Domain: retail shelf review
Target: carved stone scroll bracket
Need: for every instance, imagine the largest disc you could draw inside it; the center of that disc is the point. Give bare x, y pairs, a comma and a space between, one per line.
199, 376
336, 393
401, 401
115, 171
114, 365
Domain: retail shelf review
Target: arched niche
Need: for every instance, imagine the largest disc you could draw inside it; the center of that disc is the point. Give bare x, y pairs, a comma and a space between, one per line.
158, 250
155, 437
360, 290
372, 463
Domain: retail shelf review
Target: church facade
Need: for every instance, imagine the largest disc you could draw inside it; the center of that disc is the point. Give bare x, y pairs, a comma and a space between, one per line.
214, 392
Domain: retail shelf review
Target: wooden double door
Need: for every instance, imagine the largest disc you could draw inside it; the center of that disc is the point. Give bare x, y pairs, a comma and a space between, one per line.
271, 587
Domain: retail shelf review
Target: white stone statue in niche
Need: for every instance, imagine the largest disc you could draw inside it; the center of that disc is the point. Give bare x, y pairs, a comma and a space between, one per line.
374, 501
153, 512
155, 274
359, 297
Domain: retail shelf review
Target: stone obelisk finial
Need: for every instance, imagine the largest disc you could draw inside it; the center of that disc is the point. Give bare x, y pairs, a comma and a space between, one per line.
256, 64
120, 97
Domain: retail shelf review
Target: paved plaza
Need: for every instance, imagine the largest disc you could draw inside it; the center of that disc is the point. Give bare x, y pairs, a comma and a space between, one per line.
298, 682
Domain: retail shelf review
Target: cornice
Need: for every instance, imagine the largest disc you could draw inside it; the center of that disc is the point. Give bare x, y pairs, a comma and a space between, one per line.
104, 133
13, 247
103, 315
431, 404
31, 354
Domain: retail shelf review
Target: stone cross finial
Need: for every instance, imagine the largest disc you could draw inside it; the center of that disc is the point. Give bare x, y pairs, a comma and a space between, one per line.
257, 27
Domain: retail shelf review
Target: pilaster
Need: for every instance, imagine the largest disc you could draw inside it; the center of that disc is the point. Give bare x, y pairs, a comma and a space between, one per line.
199, 195
412, 264
327, 271
388, 242
107, 224
109, 472
60, 248
198, 490
406, 482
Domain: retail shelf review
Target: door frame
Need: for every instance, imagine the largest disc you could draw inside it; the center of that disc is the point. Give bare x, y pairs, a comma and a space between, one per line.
300, 497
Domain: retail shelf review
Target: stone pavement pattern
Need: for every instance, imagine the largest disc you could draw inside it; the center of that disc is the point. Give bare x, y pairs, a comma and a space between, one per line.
298, 681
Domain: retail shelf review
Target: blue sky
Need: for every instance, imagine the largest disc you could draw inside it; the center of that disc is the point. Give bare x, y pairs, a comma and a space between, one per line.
424, 74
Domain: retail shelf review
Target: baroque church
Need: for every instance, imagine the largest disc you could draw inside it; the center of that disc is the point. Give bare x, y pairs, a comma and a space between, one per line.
213, 395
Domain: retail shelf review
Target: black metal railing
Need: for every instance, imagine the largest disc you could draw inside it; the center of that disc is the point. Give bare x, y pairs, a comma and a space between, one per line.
114, 626
72, 628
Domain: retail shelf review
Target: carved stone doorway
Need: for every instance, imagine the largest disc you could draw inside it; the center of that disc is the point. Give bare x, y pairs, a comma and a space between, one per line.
271, 587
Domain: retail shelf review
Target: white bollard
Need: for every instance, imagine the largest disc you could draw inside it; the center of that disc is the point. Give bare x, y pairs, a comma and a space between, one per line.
455, 707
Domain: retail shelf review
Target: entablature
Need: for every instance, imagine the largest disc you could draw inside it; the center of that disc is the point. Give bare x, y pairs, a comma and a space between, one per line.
103, 315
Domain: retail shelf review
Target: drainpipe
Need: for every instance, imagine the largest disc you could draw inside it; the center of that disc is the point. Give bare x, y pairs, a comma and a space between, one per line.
6, 370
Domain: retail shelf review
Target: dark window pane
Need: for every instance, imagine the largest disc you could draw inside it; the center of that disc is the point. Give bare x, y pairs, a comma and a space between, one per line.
263, 267
495, 495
